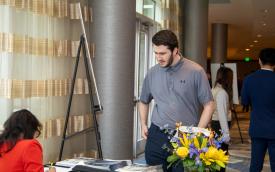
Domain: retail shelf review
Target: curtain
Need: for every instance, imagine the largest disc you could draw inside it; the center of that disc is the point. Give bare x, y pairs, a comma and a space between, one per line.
38, 45
171, 15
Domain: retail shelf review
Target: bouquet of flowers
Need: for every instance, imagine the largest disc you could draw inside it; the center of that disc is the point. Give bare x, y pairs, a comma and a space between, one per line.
197, 149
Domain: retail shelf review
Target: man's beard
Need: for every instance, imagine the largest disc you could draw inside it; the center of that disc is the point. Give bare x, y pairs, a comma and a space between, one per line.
170, 61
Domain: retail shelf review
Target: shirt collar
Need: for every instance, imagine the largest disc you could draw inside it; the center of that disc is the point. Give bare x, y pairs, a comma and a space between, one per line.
175, 67
267, 69
219, 85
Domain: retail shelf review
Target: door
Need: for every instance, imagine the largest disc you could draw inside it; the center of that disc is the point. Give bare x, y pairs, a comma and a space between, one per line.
141, 68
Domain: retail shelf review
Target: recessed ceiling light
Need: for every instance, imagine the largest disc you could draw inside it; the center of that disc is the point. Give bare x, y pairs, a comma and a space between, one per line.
265, 11
251, 45
255, 41
259, 35
264, 24
247, 49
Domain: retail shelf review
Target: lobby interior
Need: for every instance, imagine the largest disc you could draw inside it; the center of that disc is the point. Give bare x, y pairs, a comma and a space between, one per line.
38, 46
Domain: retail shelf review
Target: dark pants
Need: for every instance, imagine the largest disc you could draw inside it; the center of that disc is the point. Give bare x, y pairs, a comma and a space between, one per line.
259, 147
154, 152
215, 125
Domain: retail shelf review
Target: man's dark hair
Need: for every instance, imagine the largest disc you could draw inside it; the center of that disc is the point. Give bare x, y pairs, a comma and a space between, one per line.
20, 124
267, 56
167, 38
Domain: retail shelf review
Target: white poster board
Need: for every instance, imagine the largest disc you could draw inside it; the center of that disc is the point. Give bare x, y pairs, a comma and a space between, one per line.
233, 67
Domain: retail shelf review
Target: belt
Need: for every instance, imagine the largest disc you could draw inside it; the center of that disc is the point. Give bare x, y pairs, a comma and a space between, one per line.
165, 130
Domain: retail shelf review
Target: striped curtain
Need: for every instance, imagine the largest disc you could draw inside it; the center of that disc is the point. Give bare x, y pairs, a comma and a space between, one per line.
38, 45
171, 15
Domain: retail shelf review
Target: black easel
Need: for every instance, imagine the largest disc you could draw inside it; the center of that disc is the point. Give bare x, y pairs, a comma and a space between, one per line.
94, 108
235, 113
236, 117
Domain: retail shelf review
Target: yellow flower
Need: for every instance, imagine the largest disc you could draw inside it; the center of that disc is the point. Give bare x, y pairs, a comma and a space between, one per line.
221, 158
209, 156
212, 134
214, 155
185, 142
182, 152
204, 143
198, 145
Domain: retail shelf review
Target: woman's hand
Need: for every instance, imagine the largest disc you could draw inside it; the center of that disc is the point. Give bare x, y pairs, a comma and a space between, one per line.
52, 169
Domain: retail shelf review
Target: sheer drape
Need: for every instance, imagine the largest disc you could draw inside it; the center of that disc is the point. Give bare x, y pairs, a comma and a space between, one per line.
38, 44
170, 18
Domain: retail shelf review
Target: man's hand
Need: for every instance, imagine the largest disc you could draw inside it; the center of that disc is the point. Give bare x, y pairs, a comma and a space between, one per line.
144, 131
143, 112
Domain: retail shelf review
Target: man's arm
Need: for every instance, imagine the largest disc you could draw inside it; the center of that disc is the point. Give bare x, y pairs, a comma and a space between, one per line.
206, 115
205, 97
143, 113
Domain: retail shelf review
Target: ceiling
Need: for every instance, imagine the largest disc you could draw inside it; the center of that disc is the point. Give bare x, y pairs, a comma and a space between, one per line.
248, 20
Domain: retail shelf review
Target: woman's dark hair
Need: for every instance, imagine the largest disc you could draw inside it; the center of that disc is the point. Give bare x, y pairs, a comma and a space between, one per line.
21, 124
167, 38
267, 56
225, 78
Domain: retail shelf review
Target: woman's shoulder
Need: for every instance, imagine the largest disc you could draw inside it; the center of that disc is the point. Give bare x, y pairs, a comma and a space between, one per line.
218, 91
25, 143
218, 88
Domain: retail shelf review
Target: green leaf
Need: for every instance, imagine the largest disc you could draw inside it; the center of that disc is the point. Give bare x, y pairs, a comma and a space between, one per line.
215, 167
200, 139
201, 168
218, 168
169, 165
188, 163
175, 145
172, 158
191, 169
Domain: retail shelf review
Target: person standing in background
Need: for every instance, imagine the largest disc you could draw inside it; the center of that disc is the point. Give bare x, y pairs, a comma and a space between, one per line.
179, 88
259, 92
222, 94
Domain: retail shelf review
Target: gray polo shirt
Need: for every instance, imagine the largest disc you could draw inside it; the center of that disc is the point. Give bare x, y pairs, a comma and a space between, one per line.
179, 92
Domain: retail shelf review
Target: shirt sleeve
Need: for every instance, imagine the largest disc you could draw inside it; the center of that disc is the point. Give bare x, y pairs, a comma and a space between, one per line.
222, 109
146, 95
33, 158
244, 94
203, 86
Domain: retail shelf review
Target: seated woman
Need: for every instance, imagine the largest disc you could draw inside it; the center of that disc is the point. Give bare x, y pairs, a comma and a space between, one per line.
19, 151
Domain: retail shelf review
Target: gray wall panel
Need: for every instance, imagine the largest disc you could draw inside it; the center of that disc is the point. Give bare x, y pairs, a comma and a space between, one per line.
195, 30
219, 42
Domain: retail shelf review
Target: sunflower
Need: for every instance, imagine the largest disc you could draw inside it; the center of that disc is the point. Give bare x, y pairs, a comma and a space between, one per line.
209, 156
214, 155
221, 158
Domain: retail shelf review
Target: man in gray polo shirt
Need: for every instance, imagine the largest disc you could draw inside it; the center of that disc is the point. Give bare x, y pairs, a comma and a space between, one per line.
180, 89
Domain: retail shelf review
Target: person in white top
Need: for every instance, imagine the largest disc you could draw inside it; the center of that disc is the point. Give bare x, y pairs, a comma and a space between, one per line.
222, 94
